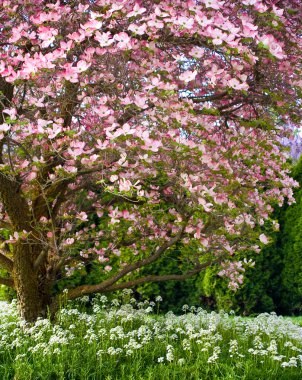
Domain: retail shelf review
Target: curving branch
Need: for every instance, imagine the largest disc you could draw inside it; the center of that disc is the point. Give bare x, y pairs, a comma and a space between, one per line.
80, 291
159, 278
87, 289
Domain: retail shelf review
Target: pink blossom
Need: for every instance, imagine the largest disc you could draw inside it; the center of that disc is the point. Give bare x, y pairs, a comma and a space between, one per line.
250, 2
260, 7
113, 178
77, 36
138, 29
160, 13
249, 29
207, 206
263, 238
197, 52
47, 34
155, 23
215, 4
92, 25
70, 73
203, 21
104, 39
124, 41
124, 184
188, 76
278, 11
274, 47
12, 112
237, 85
140, 101
2, 67
69, 241
83, 66
103, 111
102, 145
82, 216
137, 10
185, 22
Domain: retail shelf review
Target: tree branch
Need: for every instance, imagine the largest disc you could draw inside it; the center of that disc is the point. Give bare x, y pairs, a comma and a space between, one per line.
14, 203
159, 278
87, 289
7, 282
206, 98
69, 102
6, 95
6, 263
40, 259
143, 280
5, 224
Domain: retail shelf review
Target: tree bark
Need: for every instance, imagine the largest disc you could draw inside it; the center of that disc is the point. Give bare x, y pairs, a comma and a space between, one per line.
33, 289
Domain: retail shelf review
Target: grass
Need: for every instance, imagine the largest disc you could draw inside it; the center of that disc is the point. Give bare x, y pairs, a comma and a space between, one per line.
297, 320
125, 340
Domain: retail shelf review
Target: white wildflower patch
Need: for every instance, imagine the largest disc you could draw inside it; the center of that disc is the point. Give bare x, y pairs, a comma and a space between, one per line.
215, 355
169, 354
122, 330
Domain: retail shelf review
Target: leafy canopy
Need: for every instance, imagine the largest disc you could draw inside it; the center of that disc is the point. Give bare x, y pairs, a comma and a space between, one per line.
128, 126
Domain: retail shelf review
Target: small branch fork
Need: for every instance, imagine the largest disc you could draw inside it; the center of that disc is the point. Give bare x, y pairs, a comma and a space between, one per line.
7, 282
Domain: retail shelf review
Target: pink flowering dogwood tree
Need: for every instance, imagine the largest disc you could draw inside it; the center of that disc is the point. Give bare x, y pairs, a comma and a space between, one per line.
129, 126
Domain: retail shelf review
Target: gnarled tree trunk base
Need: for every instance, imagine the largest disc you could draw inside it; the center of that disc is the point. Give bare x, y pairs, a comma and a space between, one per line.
33, 291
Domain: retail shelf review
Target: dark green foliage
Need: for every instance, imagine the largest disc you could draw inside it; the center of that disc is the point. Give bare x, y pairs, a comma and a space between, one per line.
260, 290
274, 284
174, 293
259, 293
291, 246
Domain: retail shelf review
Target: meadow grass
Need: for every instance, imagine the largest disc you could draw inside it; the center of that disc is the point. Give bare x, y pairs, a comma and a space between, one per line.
297, 320
123, 339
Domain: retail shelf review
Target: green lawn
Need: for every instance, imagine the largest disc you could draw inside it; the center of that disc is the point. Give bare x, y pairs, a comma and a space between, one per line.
297, 320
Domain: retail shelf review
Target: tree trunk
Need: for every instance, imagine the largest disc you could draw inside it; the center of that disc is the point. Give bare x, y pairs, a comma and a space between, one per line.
32, 287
